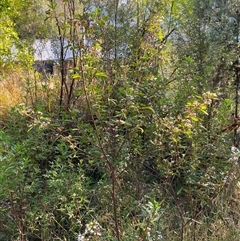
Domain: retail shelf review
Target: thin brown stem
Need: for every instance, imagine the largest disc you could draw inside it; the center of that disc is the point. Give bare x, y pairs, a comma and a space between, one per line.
111, 168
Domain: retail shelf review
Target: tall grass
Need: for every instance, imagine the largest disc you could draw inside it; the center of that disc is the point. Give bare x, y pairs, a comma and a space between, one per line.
29, 87
11, 93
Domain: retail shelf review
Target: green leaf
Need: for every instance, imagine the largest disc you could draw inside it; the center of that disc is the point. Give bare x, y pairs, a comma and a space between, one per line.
52, 5
76, 76
148, 108
194, 118
101, 74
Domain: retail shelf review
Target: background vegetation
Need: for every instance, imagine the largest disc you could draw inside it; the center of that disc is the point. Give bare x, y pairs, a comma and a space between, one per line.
136, 139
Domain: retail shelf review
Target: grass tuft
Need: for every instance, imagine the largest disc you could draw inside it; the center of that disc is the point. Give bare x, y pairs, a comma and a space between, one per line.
11, 94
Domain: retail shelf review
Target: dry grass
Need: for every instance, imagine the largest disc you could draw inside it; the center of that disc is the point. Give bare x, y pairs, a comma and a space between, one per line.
18, 86
11, 93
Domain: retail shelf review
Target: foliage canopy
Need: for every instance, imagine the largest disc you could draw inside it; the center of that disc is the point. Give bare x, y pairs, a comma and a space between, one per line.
131, 138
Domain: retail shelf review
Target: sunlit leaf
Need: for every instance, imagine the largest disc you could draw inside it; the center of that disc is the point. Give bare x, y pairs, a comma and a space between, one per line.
76, 76
194, 118
101, 74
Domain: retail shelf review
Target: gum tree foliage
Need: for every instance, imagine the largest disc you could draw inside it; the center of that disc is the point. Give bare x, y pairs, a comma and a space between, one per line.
135, 149
8, 33
18, 30
209, 39
28, 29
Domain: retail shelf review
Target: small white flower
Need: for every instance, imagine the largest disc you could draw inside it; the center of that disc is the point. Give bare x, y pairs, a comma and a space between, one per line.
234, 149
80, 237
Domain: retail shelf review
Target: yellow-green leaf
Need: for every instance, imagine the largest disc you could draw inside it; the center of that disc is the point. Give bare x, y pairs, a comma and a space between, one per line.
194, 118
76, 76
101, 74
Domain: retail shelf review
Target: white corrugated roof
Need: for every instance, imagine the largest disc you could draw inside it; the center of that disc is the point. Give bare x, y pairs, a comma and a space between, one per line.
50, 50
